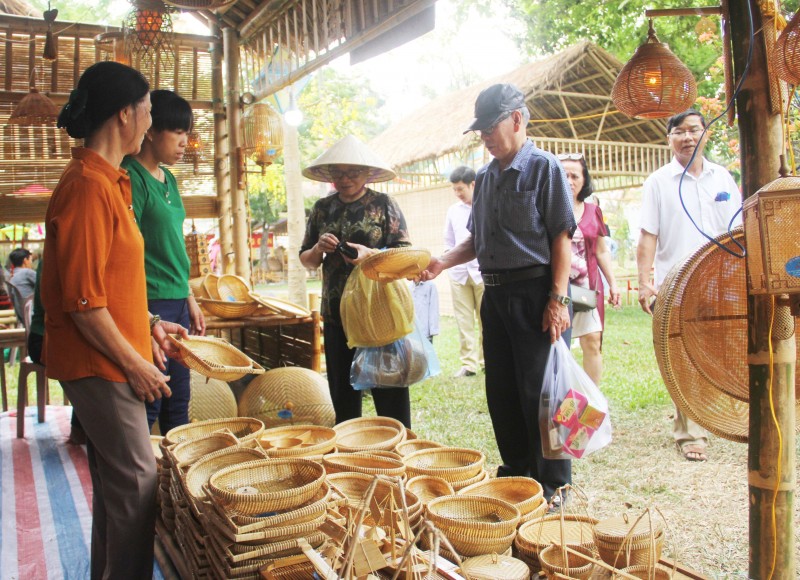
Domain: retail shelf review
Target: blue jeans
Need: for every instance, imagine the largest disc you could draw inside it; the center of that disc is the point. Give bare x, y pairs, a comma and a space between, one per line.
171, 411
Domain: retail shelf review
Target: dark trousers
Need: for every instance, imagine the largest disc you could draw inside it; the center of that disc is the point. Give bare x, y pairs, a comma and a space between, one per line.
171, 411
124, 478
394, 403
516, 352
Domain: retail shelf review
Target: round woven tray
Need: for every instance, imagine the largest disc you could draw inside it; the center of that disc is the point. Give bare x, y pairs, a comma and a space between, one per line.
215, 358
315, 440
244, 428
454, 464
232, 288
354, 486
227, 308
537, 534
310, 510
186, 453
201, 471
369, 433
523, 492
479, 516
495, 567
363, 462
395, 263
553, 561
280, 306
428, 487
483, 475
277, 484
409, 446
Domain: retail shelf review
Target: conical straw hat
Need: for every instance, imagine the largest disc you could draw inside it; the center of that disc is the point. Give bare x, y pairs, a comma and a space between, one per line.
349, 151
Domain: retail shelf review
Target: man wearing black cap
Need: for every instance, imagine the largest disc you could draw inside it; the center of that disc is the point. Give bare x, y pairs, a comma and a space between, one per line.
521, 229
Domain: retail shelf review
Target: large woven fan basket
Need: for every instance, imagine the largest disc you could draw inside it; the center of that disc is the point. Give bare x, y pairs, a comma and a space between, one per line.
700, 336
289, 396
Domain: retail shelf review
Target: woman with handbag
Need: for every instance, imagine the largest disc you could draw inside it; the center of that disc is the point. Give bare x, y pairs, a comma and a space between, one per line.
590, 255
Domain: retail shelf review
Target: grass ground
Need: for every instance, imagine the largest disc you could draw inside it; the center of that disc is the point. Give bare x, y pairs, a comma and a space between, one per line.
705, 504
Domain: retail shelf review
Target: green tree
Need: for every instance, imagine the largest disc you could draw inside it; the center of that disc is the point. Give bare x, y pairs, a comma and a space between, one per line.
88, 11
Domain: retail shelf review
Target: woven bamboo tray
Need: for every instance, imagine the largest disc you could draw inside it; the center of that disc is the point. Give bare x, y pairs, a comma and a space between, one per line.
480, 516
243, 428
523, 492
186, 453
354, 486
315, 440
395, 263
409, 446
369, 439
363, 463
482, 475
279, 306
495, 567
227, 308
215, 358
232, 288
266, 485
210, 286
428, 487
454, 464
201, 471
468, 544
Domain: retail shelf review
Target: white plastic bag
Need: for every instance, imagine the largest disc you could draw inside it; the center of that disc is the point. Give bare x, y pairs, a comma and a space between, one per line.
573, 413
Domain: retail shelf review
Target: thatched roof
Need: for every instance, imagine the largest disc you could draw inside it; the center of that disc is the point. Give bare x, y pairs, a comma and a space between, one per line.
572, 84
19, 8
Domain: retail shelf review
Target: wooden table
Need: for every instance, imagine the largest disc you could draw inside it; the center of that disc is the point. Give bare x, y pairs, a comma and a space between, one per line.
274, 340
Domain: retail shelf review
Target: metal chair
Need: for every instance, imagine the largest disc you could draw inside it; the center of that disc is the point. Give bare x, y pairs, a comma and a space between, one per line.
26, 367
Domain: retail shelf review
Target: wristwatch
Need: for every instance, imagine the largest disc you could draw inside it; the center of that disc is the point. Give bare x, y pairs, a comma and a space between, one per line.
565, 300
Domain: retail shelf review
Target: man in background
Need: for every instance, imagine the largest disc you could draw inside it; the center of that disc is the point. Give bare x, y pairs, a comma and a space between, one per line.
668, 235
466, 284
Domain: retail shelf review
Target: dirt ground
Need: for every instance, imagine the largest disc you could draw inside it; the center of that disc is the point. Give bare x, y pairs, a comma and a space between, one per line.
704, 504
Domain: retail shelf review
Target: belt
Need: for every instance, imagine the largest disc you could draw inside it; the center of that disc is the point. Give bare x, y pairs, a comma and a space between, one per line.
500, 278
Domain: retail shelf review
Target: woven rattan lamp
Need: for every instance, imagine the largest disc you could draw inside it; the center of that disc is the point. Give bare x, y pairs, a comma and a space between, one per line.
654, 83
786, 55
35, 109
262, 132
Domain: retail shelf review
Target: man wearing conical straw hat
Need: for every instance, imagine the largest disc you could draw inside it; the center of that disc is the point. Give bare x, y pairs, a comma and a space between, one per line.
364, 220
520, 230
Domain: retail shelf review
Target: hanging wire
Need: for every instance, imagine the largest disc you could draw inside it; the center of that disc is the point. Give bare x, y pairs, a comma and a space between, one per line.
700, 140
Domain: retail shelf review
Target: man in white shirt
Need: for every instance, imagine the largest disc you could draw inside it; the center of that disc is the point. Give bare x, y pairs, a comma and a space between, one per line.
668, 236
466, 283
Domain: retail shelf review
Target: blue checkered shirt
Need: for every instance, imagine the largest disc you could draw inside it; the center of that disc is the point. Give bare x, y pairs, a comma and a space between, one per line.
518, 212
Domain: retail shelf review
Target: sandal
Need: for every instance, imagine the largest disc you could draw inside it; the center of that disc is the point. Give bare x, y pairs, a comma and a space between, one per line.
693, 452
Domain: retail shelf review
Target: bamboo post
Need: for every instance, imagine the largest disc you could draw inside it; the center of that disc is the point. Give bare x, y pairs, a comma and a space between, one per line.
771, 554
241, 219
221, 173
295, 221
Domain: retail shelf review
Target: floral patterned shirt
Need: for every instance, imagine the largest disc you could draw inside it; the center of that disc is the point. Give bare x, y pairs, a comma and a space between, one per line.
374, 220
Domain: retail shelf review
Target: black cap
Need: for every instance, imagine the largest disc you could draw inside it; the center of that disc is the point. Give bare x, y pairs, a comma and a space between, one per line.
493, 103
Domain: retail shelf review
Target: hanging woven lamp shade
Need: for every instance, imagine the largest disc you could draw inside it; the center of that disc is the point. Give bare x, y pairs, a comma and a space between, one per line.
262, 131
193, 153
34, 109
786, 55
654, 83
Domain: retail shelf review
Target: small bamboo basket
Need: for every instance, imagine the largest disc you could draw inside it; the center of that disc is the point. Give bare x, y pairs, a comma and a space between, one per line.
232, 288
363, 462
523, 492
187, 453
555, 560
215, 358
228, 308
243, 428
478, 516
455, 464
429, 487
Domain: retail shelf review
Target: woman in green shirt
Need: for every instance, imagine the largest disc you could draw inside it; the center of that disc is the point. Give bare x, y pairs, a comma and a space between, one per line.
160, 214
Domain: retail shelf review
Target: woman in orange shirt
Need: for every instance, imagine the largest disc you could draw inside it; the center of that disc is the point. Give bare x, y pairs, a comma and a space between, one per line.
97, 327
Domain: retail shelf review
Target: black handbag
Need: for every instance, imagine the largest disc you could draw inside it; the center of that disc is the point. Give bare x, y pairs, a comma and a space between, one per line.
583, 299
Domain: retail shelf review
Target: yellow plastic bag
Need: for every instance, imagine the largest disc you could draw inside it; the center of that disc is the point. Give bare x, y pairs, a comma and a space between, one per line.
375, 313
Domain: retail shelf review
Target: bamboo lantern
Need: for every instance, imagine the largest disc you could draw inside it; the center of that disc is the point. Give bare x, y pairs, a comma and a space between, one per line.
35, 109
193, 152
654, 83
149, 38
263, 134
787, 52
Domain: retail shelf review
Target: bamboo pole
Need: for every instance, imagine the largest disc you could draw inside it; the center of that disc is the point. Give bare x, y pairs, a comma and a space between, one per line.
771, 552
241, 219
221, 173
295, 214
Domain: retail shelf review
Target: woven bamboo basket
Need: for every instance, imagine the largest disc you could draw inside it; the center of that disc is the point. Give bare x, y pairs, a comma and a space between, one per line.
395, 264
495, 567
198, 288
535, 535
354, 486
210, 286
408, 447
425, 544
369, 439
469, 545
314, 440
155, 442
186, 453
642, 553
266, 485
479, 516
482, 475
428, 487
201, 471
244, 428
554, 561
286, 396
537, 512
358, 423
382, 453
523, 492
227, 308
363, 462
214, 358
410, 435
210, 399
629, 541
280, 306
455, 464
268, 533
306, 512
648, 572
232, 288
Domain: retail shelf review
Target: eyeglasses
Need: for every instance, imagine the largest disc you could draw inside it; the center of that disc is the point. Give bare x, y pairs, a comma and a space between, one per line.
692, 132
569, 156
490, 130
350, 173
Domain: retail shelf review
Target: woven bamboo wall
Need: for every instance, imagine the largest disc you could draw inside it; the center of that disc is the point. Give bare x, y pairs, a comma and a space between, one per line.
37, 155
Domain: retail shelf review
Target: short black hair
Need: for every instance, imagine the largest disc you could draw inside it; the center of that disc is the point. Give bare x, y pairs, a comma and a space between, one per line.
462, 174
18, 256
676, 120
170, 111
